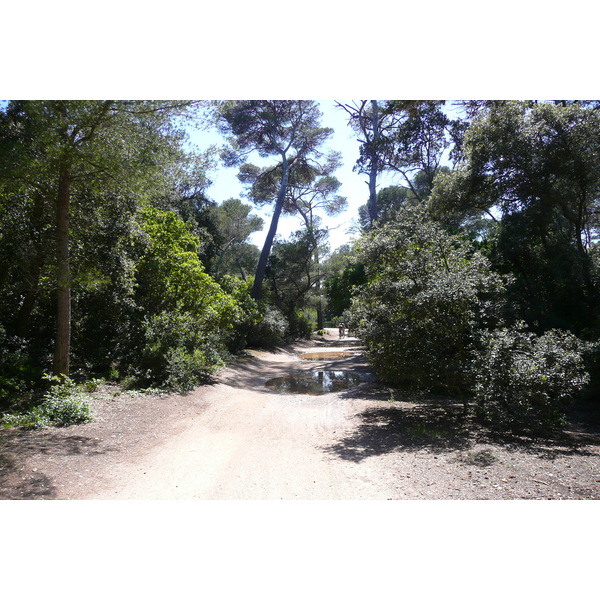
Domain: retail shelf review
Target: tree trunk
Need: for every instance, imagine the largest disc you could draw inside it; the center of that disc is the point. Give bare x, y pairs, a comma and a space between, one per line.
374, 168
320, 321
63, 307
256, 291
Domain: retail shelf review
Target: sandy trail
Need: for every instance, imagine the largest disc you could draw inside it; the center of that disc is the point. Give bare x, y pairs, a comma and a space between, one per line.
237, 439
251, 443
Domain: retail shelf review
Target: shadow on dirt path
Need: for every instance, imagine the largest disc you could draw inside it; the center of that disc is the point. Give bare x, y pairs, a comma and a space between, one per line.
20, 482
236, 439
440, 425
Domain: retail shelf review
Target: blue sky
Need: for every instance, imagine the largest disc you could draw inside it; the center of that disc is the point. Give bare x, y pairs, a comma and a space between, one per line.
354, 186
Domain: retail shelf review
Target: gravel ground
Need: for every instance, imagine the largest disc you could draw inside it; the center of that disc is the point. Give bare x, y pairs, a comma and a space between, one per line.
237, 439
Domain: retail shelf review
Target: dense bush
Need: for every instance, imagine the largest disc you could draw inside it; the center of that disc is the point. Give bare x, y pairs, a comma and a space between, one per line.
428, 294
18, 373
248, 311
271, 328
524, 381
301, 323
187, 316
178, 352
258, 324
339, 288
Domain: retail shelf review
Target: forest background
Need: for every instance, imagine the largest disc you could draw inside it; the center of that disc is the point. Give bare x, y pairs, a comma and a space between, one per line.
508, 52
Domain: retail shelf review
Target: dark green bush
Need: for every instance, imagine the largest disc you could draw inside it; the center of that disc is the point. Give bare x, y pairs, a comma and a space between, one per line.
271, 328
63, 404
187, 368
301, 323
178, 353
525, 381
18, 374
428, 294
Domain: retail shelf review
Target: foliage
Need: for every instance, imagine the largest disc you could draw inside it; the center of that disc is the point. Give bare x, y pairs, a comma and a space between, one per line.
187, 316
177, 351
524, 381
171, 277
293, 279
271, 328
389, 199
370, 123
63, 404
428, 294
16, 371
63, 160
341, 287
233, 224
533, 169
287, 129
415, 141
249, 312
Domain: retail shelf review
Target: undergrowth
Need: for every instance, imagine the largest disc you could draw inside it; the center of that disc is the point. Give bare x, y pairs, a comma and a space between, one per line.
62, 405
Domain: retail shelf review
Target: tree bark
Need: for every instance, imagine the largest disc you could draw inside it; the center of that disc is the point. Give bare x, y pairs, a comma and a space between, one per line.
374, 168
256, 291
63, 292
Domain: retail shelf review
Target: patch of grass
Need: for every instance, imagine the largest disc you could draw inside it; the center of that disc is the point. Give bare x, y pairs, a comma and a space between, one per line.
424, 431
91, 385
480, 458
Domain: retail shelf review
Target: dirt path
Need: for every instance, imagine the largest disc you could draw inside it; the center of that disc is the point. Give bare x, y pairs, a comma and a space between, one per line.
237, 439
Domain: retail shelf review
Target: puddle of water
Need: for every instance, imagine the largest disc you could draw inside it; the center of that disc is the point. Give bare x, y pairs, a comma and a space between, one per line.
325, 355
314, 382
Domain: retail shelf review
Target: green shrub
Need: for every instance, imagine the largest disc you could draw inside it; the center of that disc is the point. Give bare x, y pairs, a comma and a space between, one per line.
91, 385
427, 295
248, 314
301, 323
113, 374
63, 404
187, 368
177, 352
18, 376
524, 381
270, 329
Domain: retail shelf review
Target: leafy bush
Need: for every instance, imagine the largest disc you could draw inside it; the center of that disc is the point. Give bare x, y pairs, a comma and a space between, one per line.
524, 381
186, 369
188, 317
171, 277
178, 352
270, 330
17, 374
301, 323
248, 312
64, 404
428, 293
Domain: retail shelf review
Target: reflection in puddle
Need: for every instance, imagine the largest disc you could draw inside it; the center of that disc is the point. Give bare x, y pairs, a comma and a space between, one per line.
325, 355
314, 382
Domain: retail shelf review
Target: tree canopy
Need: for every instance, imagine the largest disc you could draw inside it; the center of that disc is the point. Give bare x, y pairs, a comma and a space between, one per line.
475, 272
286, 129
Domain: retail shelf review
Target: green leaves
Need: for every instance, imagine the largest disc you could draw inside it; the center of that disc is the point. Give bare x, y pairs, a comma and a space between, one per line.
427, 294
64, 404
525, 381
171, 276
